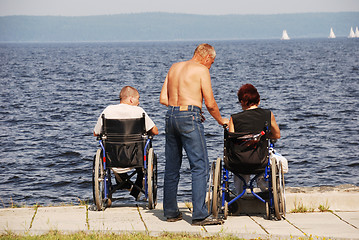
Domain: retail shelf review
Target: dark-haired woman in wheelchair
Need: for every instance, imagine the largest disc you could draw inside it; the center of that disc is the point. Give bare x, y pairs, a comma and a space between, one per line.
252, 119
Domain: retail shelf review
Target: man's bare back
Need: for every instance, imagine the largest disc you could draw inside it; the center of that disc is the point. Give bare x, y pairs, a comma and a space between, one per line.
189, 83
184, 84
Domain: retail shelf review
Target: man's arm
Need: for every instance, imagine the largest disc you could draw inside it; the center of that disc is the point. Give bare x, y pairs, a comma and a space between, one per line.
153, 131
164, 93
209, 100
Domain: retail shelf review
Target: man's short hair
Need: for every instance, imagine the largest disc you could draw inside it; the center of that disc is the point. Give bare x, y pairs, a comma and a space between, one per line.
205, 49
127, 92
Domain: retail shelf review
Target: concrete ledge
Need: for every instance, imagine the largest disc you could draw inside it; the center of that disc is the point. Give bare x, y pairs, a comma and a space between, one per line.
340, 198
341, 223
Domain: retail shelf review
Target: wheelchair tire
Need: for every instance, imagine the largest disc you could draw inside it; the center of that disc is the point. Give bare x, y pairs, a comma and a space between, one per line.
151, 179
267, 216
98, 181
217, 189
277, 191
210, 187
282, 191
225, 213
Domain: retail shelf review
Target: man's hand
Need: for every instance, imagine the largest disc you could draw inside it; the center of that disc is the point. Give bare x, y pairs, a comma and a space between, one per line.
225, 121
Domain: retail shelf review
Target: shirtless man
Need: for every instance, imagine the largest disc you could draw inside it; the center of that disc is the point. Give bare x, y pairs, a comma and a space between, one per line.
186, 85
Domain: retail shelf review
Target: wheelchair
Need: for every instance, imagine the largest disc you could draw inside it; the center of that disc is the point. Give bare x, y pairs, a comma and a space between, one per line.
246, 154
124, 145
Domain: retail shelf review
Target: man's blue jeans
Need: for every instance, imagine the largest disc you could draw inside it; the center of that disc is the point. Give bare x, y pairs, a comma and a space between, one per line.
184, 129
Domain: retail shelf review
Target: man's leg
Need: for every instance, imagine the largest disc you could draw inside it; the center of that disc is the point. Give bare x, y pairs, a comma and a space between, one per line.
195, 146
135, 192
173, 153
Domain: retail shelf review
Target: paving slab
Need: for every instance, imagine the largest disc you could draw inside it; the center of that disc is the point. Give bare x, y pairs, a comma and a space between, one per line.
323, 224
237, 225
351, 218
116, 219
156, 222
281, 228
16, 220
67, 219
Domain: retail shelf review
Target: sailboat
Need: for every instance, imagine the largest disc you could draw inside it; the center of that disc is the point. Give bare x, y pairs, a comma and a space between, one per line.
331, 34
351, 34
356, 32
285, 35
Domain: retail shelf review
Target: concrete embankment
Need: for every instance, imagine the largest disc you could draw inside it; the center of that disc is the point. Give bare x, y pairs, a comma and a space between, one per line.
341, 222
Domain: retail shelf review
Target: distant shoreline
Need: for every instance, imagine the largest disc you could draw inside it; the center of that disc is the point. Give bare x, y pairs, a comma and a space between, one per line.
157, 26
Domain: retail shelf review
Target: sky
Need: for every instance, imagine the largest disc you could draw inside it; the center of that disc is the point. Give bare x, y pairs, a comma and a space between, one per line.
203, 7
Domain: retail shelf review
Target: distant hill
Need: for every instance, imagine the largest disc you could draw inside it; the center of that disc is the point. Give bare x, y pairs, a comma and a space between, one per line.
169, 26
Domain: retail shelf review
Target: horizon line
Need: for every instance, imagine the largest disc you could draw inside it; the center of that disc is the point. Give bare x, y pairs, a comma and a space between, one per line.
177, 13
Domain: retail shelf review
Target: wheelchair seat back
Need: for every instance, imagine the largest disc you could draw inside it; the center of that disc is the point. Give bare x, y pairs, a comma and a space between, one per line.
124, 141
246, 153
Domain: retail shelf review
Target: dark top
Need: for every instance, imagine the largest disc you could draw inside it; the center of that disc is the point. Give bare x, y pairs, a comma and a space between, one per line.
252, 120
246, 154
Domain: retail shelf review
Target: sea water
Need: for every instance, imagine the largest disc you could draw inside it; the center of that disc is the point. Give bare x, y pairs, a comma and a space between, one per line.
53, 93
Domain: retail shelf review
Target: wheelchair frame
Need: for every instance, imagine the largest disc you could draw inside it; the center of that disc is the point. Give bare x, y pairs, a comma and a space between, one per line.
219, 194
103, 188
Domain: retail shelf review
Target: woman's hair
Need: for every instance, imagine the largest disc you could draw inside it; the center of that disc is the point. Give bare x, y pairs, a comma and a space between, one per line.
248, 95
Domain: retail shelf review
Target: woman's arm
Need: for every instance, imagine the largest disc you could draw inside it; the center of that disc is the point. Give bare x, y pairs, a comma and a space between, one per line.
274, 129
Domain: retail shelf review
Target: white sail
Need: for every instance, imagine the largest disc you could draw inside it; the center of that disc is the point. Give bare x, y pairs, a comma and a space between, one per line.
356, 32
285, 35
351, 34
331, 34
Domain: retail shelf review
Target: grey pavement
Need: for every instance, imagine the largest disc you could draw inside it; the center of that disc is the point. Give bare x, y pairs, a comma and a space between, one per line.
138, 218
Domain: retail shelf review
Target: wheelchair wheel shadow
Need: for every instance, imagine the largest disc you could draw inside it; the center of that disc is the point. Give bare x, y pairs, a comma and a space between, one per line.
247, 205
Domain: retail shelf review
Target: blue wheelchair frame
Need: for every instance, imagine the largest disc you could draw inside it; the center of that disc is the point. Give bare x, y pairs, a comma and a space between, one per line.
267, 176
107, 182
125, 132
272, 207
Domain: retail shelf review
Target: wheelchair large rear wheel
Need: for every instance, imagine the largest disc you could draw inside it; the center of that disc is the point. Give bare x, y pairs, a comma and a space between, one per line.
278, 191
217, 190
98, 181
210, 188
282, 192
151, 179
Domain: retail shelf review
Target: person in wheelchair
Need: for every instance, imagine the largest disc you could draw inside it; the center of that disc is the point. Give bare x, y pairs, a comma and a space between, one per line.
127, 109
252, 119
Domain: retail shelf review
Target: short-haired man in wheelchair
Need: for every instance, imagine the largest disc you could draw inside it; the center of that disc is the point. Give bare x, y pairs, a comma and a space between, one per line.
127, 109
253, 119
